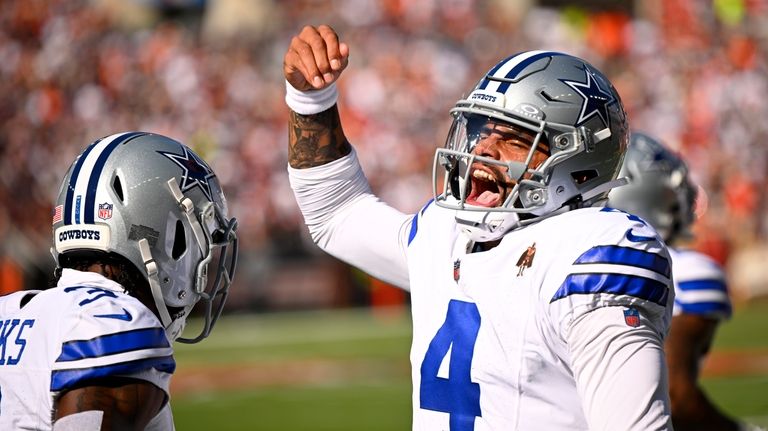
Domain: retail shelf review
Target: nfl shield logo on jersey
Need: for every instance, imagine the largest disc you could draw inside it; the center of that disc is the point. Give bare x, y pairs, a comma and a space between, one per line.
105, 211
632, 317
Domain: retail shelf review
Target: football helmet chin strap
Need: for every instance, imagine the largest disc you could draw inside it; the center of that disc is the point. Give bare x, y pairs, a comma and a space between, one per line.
154, 284
174, 327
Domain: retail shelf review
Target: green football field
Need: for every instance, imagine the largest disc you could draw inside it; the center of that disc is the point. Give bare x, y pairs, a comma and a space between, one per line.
349, 370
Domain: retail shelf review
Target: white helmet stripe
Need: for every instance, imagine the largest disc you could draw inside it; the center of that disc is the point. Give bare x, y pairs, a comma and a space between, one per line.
81, 193
510, 68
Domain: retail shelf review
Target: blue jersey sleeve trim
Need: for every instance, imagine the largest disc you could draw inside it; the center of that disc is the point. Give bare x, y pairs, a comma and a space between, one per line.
63, 379
415, 222
414, 228
705, 308
616, 284
139, 339
700, 285
424, 208
613, 254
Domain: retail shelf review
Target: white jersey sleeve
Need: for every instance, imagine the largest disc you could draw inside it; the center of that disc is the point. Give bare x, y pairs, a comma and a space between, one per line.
349, 222
615, 260
620, 372
700, 285
110, 334
614, 308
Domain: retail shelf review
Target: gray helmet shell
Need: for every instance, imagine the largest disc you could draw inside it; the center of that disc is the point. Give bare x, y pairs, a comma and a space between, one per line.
153, 201
660, 190
566, 103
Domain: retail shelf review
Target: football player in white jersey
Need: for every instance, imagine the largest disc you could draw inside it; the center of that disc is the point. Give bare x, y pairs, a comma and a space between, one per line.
138, 221
533, 306
661, 193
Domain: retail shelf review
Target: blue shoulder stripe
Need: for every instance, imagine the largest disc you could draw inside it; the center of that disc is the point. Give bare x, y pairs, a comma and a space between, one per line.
705, 308
717, 285
63, 379
147, 338
616, 255
616, 284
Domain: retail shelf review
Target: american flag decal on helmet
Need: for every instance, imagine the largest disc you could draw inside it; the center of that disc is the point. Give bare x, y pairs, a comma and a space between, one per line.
57, 214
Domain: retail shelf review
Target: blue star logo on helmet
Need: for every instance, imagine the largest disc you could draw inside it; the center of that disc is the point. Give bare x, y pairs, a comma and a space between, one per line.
596, 100
195, 171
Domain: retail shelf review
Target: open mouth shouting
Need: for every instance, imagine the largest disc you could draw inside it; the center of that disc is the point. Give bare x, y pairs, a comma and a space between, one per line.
488, 187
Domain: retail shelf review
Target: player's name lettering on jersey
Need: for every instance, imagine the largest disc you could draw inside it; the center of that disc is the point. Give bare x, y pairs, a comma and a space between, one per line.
12, 340
79, 234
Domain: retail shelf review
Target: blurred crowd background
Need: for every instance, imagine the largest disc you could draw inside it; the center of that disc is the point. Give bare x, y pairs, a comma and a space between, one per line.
209, 73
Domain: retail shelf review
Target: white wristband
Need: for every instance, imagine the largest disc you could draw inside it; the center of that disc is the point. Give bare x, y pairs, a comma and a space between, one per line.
310, 102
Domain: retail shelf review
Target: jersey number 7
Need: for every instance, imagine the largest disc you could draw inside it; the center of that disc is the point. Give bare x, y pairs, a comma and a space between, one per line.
457, 394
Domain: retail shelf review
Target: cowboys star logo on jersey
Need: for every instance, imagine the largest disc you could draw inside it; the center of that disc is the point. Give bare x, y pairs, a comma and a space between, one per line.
196, 171
596, 100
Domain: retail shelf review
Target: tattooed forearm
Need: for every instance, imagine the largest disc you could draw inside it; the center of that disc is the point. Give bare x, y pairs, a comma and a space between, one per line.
316, 139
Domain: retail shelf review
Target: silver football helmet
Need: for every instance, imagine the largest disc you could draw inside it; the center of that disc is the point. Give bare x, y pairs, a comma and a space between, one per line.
659, 190
564, 103
153, 201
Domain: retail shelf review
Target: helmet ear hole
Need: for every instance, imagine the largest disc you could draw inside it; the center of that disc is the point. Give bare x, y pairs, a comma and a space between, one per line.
582, 177
179, 241
117, 186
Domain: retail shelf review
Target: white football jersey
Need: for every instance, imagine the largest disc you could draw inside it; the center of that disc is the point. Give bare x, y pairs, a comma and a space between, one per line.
491, 329
85, 328
700, 285
559, 327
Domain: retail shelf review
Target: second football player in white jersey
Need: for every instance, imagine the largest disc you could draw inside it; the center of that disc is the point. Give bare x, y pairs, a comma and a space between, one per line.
533, 307
137, 221
86, 331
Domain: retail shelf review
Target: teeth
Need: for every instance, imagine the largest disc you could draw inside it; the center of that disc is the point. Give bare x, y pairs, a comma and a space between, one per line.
482, 175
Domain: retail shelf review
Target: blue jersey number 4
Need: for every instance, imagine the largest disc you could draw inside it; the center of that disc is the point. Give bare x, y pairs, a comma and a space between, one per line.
457, 394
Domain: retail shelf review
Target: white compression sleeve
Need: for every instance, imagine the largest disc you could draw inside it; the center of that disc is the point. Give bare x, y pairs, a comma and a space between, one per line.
83, 421
348, 221
620, 372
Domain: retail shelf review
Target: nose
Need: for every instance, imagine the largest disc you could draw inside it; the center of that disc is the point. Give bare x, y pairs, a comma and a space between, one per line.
488, 147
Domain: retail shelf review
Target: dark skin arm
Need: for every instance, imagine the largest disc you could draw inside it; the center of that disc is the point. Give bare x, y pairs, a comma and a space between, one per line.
690, 338
314, 60
128, 404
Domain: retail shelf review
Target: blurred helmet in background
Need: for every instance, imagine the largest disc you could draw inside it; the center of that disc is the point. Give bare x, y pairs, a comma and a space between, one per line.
659, 190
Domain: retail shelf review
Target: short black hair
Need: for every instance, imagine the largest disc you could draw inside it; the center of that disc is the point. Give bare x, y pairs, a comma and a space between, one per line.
127, 275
